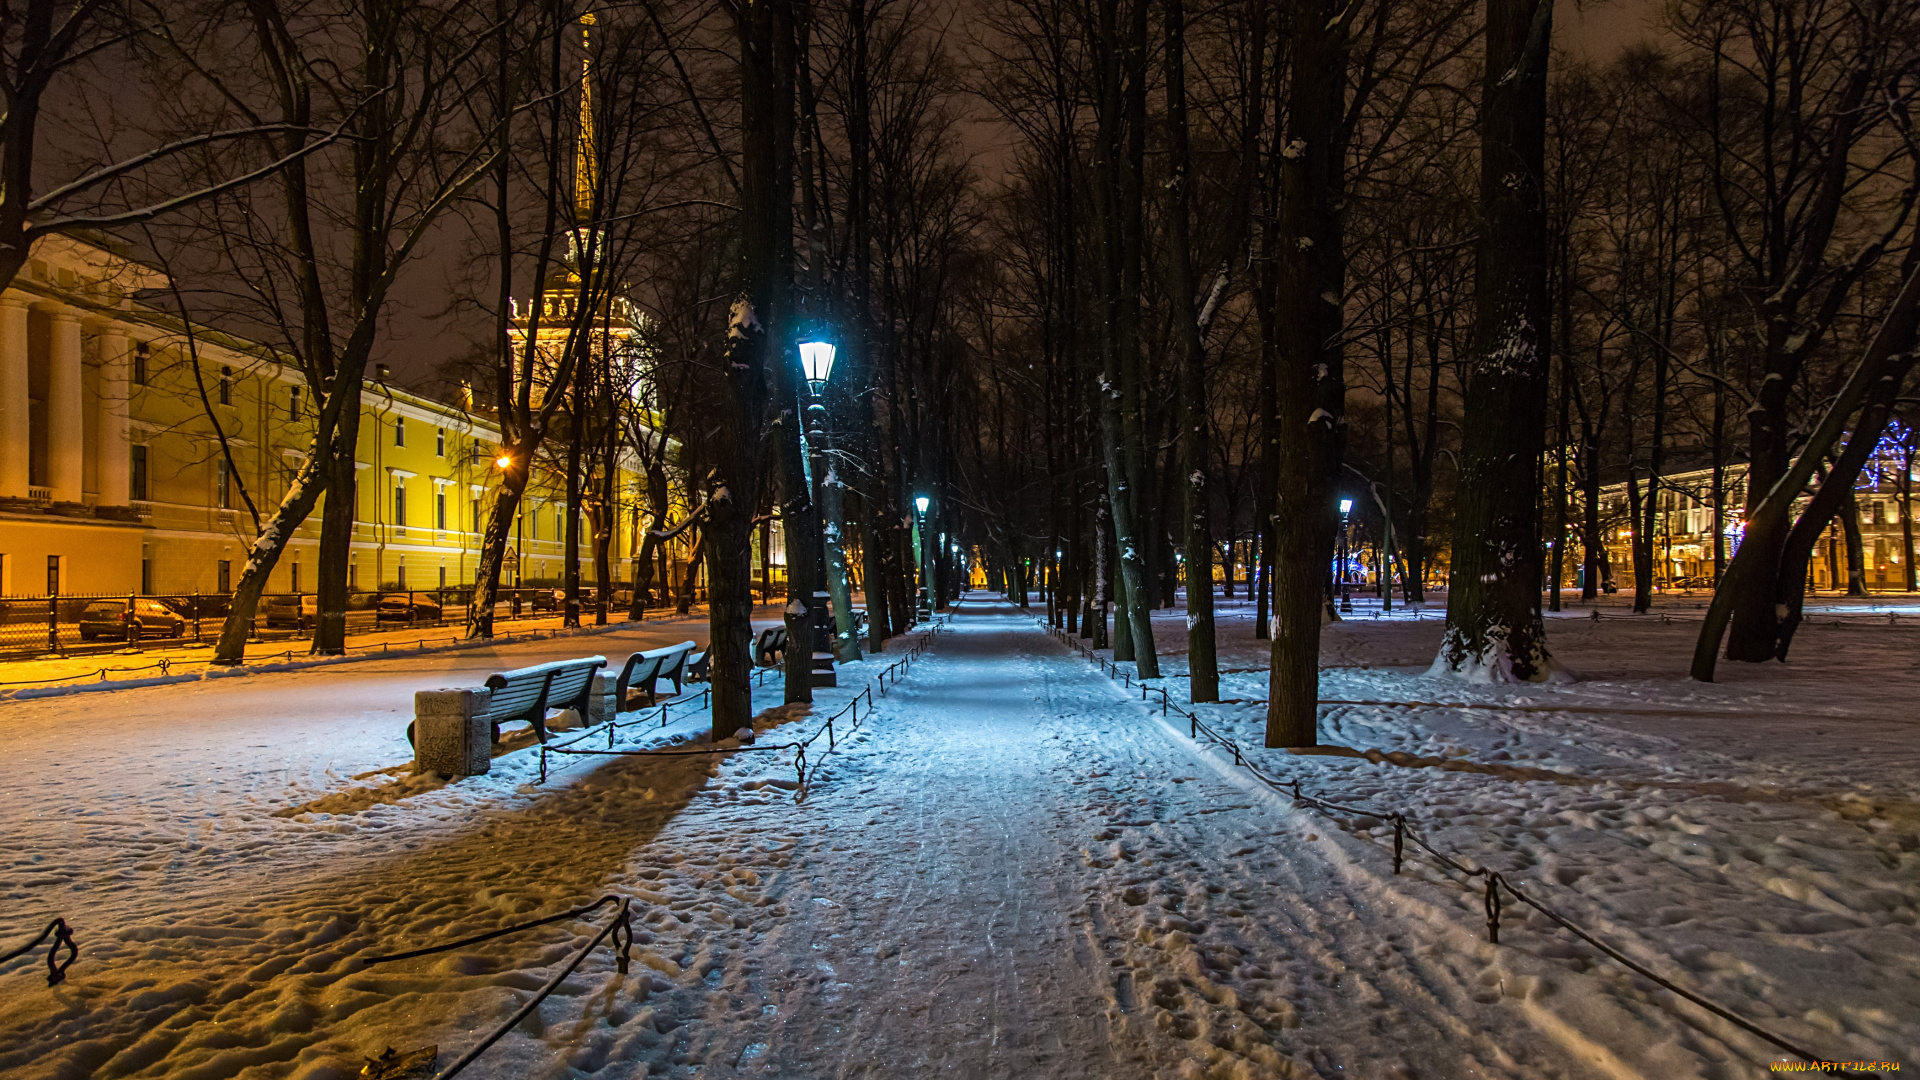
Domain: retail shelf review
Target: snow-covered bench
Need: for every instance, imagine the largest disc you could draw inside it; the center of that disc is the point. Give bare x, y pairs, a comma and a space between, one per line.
771, 647
453, 730
527, 693
644, 669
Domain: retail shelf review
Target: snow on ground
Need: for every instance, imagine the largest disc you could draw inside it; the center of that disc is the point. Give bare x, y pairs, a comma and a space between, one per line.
1012, 870
1754, 839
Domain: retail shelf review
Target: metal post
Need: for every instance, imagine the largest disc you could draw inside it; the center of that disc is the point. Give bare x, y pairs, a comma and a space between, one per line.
1346, 542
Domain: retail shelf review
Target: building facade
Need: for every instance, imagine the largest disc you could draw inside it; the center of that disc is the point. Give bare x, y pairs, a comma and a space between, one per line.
130, 451
1684, 528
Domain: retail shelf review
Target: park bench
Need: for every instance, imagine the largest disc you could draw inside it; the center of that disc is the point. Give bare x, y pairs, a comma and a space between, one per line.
527, 693
644, 669
453, 729
771, 647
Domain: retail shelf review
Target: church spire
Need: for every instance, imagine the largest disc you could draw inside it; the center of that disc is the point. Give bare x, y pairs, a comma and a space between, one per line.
584, 157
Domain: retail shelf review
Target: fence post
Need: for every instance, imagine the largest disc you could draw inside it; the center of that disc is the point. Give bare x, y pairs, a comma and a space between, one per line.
196, 616
53, 621
1493, 908
133, 643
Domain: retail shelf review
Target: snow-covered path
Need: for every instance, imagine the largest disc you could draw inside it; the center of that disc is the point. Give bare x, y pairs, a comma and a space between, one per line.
1013, 869
1016, 872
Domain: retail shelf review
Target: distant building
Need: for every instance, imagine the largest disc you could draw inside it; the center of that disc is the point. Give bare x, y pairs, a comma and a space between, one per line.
113, 478
1684, 530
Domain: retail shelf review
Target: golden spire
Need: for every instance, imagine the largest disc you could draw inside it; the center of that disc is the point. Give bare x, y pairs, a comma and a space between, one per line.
583, 166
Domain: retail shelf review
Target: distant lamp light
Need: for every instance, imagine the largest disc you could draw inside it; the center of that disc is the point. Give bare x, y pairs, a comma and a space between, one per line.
922, 502
816, 359
504, 461
1346, 506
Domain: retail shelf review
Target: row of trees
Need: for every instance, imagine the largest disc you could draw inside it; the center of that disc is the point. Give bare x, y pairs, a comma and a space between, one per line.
1238, 263
637, 211
1379, 250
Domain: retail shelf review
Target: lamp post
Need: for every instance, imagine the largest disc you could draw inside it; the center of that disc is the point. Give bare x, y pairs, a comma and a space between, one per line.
920, 504
832, 610
1346, 538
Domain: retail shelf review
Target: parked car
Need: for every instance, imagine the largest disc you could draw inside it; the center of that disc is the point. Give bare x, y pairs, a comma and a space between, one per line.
123, 620
556, 599
409, 608
296, 612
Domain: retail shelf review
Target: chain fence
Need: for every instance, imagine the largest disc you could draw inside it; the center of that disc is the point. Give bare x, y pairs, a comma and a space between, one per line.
619, 927
62, 936
890, 675
1492, 883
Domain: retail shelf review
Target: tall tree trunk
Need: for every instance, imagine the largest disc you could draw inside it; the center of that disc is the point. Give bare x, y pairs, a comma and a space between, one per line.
336, 535
1310, 374
1493, 604
1856, 548
1203, 664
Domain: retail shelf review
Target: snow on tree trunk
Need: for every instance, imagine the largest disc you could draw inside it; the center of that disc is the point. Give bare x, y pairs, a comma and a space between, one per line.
1203, 664
1309, 372
1494, 632
267, 547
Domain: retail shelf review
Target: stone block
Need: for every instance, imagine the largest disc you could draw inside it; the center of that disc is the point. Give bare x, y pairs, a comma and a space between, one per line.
452, 733
601, 706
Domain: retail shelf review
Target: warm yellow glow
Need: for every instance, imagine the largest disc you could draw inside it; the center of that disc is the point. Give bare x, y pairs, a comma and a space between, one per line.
504, 462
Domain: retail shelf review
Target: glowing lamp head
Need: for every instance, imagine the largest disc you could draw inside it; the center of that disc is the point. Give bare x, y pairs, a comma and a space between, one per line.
1346, 506
504, 461
816, 359
922, 502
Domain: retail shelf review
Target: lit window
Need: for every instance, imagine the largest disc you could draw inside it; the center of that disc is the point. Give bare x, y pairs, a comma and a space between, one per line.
137, 473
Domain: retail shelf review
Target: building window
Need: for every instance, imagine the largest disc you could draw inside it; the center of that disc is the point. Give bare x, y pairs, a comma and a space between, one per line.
53, 575
146, 576
440, 509
296, 575
473, 512
221, 485
293, 403
226, 386
140, 364
439, 442
137, 472
226, 576
399, 431
353, 573
400, 503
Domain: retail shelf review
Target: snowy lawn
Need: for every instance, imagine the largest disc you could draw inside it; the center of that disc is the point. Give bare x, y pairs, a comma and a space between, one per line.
1012, 870
1754, 839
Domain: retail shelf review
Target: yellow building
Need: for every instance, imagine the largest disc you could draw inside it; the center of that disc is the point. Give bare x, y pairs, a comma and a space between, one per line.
1683, 535
114, 478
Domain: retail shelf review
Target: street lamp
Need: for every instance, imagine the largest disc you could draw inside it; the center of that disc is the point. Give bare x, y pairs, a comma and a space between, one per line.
816, 359
1346, 537
816, 362
924, 553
